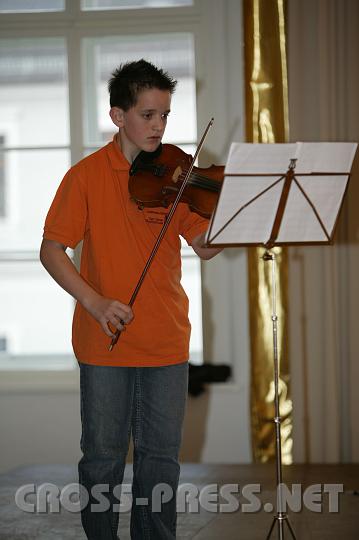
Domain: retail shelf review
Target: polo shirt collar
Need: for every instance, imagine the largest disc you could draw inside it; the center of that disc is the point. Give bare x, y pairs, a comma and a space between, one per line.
117, 159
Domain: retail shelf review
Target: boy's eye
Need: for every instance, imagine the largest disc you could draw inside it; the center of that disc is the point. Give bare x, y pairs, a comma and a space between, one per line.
149, 116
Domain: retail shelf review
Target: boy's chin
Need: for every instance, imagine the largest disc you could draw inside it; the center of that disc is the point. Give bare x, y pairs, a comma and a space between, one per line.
151, 146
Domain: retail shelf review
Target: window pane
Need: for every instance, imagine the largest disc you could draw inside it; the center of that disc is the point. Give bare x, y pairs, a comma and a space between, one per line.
31, 180
128, 4
35, 315
26, 6
33, 92
191, 282
172, 52
27, 293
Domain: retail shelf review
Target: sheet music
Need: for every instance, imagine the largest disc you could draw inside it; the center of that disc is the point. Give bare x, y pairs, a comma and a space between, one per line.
255, 217
300, 223
325, 157
247, 158
248, 205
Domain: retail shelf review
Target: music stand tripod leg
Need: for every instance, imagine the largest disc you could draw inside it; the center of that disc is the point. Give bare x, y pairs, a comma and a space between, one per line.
280, 516
281, 521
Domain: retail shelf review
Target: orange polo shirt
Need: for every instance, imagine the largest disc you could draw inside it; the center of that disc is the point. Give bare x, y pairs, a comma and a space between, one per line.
92, 204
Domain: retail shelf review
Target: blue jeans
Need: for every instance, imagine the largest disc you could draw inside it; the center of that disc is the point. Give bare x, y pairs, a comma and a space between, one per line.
150, 403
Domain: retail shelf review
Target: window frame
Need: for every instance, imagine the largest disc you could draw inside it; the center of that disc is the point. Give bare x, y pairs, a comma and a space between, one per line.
73, 25
3, 182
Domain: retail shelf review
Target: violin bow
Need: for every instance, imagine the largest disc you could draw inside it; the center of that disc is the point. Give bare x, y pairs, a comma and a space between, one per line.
163, 230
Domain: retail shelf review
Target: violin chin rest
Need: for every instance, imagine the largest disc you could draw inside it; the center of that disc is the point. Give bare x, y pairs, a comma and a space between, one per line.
144, 158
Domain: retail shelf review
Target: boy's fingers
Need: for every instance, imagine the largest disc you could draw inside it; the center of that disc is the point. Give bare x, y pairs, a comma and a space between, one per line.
130, 315
124, 312
107, 329
118, 322
123, 318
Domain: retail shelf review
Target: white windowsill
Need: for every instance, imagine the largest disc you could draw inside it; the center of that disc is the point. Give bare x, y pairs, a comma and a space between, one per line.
59, 374
68, 381
36, 373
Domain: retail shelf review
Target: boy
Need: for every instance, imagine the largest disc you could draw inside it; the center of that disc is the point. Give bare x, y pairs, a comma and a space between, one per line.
140, 387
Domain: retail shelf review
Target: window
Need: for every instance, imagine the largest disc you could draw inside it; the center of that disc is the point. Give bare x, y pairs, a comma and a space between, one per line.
34, 110
41, 79
30, 6
173, 52
132, 4
3, 344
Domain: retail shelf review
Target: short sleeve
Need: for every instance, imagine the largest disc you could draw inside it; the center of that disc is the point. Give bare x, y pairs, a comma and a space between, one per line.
192, 224
67, 216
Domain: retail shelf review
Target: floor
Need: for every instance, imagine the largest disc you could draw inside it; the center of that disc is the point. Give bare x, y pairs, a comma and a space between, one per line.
327, 494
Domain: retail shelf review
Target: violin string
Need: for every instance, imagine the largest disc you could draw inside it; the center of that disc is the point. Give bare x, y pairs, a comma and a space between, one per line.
201, 181
200, 177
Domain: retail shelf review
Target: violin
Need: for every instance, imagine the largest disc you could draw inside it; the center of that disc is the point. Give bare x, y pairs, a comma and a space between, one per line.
156, 178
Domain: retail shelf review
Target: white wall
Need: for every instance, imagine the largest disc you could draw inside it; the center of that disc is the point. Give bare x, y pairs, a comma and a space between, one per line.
39, 425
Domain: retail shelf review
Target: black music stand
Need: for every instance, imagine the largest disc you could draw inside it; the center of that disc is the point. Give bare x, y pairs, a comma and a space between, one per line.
261, 205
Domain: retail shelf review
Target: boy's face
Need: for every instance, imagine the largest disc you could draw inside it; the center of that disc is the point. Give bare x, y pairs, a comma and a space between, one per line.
142, 126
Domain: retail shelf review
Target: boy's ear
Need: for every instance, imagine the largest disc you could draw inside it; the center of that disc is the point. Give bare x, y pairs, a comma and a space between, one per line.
117, 116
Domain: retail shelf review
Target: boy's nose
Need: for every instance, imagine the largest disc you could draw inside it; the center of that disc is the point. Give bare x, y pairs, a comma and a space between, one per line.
158, 124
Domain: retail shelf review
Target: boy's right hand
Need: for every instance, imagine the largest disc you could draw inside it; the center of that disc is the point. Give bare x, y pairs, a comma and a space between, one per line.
107, 310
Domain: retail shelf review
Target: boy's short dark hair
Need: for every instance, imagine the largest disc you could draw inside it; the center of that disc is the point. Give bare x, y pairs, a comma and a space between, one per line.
130, 78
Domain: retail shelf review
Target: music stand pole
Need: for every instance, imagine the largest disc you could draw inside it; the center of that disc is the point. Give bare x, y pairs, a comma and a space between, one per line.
281, 517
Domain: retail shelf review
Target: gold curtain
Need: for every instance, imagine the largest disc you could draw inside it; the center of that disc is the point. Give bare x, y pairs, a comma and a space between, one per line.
267, 122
